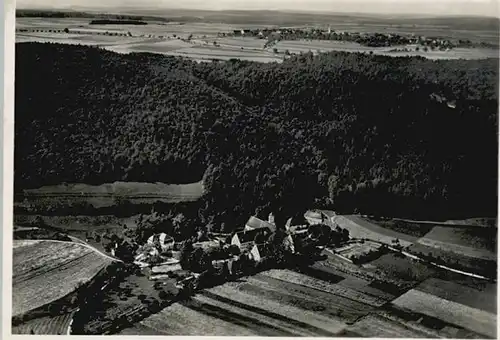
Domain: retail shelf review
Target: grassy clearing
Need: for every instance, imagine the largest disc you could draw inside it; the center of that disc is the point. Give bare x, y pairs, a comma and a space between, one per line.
403, 268
360, 228
470, 318
478, 222
57, 325
47, 270
473, 241
122, 189
363, 286
457, 261
113, 195
404, 227
458, 249
484, 300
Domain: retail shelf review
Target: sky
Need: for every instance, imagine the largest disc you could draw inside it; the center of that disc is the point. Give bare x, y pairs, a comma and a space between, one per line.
428, 7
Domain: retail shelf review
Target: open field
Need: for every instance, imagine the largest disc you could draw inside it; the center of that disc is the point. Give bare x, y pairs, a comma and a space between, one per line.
470, 318
306, 298
121, 189
414, 229
478, 221
287, 303
44, 271
107, 195
79, 223
424, 324
298, 46
196, 39
360, 228
333, 289
402, 268
480, 299
226, 310
46, 325
475, 265
377, 326
470, 241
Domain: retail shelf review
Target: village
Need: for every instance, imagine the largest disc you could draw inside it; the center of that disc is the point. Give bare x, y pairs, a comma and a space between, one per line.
256, 246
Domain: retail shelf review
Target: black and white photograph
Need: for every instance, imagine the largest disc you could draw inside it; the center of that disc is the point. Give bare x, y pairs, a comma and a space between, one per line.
278, 168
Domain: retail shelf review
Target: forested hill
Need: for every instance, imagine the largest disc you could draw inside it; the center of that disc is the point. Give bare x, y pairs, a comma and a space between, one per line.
392, 136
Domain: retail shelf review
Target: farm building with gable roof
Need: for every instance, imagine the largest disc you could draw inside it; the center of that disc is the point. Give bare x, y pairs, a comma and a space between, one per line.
256, 223
243, 238
260, 251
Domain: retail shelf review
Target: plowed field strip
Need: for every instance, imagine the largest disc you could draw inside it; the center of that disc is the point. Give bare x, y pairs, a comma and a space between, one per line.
46, 325
303, 280
33, 290
310, 293
460, 294
230, 291
379, 327
327, 305
50, 268
300, 327
451, 312
256, 325
180, 320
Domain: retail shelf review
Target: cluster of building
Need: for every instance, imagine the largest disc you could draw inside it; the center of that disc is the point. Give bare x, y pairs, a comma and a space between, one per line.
364, 38
161, 254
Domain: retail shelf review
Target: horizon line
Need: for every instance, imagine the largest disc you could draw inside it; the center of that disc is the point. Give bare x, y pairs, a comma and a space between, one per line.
106, 9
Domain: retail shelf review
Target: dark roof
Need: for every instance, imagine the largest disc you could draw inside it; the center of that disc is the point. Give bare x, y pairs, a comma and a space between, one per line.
257, 223
265, 249
249, 235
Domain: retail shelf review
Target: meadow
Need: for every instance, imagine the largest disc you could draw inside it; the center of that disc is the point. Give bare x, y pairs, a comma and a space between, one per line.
105, 196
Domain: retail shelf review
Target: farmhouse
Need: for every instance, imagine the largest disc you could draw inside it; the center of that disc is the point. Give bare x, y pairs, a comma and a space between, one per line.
260, 252
245, 239
254, 223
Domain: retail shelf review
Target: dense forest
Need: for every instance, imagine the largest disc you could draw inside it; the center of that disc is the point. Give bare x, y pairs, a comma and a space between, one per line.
355, 132
117, 22
35, 13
